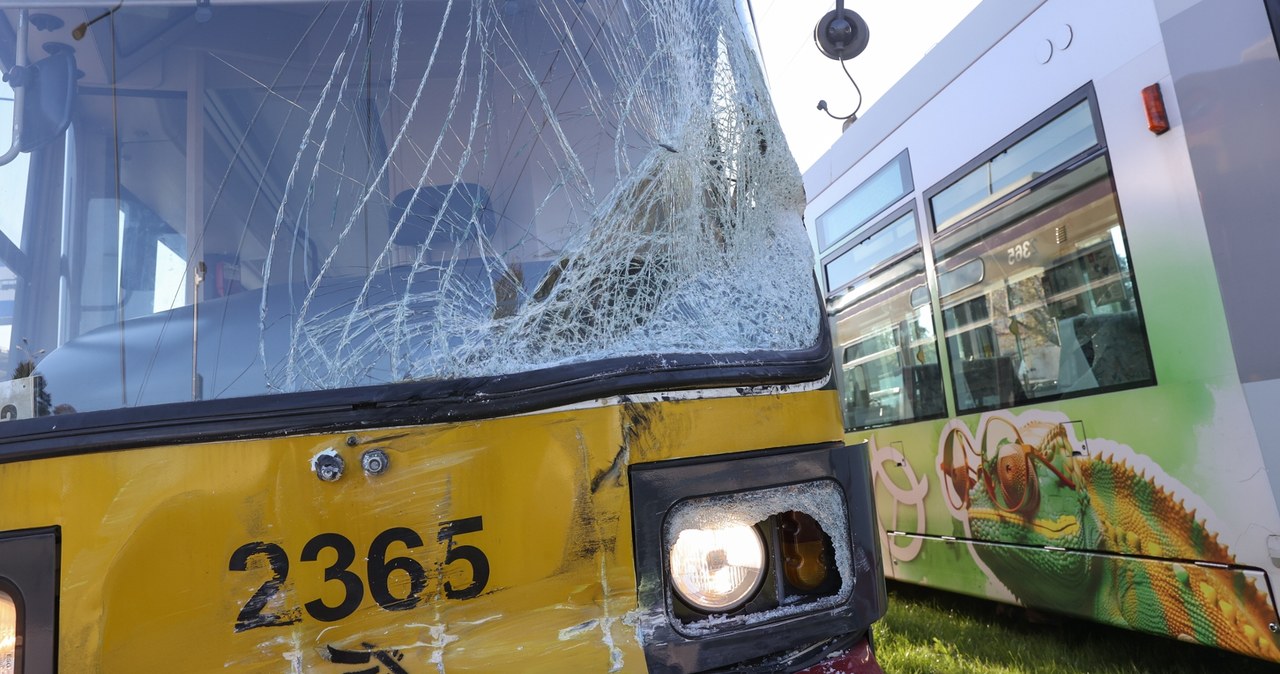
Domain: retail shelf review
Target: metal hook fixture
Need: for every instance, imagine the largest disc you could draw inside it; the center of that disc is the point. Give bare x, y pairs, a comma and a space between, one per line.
841, 35
204, 11
79, 32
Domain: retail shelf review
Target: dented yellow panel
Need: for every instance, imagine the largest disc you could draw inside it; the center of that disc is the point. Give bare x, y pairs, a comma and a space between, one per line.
497, 545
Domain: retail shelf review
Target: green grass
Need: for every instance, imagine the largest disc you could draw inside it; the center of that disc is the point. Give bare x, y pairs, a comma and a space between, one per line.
928, 632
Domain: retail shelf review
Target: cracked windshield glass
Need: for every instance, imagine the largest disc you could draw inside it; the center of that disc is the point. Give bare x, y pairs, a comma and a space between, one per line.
220, 199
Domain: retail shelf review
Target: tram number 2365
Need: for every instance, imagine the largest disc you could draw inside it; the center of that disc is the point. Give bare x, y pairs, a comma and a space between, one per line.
254, 614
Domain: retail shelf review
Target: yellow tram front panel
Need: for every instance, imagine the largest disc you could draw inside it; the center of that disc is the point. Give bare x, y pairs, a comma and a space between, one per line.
396, 336
482, 546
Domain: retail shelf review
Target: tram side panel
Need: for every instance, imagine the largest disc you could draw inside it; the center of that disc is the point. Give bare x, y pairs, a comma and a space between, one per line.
1228, 92
493, 545
1134, 497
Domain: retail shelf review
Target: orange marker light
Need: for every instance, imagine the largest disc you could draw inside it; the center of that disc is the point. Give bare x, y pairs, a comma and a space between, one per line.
804, 551
1157, 118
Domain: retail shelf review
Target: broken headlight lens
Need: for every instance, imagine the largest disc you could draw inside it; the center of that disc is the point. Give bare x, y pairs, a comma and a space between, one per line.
749, 553
717, 569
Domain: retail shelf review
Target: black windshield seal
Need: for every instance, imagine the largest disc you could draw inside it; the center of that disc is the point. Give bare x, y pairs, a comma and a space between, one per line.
414, 403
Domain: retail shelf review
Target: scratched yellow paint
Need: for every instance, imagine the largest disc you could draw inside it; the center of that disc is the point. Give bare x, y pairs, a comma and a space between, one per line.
148, 535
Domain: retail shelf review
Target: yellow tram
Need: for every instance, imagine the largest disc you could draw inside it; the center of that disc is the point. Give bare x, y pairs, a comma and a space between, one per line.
409, 336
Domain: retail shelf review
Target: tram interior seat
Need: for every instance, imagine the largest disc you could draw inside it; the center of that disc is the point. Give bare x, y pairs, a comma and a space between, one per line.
1100, 351
989, 382
453, 221
457, 206
923, 385
465, 219
233, 332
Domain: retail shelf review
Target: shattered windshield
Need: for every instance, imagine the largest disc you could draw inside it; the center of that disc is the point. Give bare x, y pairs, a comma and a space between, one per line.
273, 197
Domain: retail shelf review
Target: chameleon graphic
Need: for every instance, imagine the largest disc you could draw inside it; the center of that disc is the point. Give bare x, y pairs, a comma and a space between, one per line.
1028, 487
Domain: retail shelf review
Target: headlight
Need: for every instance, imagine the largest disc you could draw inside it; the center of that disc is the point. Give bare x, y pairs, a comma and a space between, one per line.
8, 634
717, 569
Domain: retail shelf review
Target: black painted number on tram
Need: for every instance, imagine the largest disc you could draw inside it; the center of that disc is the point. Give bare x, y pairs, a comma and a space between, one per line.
353, 587
339, 553
470, 554
251, 614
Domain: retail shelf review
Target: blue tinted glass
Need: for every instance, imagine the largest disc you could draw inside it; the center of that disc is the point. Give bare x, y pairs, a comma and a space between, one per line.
899, 236
1066, 136
879, 192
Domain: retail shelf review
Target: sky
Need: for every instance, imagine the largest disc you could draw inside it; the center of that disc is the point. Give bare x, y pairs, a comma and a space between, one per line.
902, 31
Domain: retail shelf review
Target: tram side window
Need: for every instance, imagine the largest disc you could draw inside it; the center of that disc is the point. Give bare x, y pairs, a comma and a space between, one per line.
1060, 139
138, 266
13, 194
866, 201
1039, 300
888, 347
127, 228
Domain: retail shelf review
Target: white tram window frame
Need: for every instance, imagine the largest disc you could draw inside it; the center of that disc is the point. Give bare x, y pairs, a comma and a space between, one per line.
1023, 317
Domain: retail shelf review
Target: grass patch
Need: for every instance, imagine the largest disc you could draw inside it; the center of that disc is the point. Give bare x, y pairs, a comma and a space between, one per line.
931, 632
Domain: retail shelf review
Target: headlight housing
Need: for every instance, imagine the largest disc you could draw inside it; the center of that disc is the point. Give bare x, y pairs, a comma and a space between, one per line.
701, 605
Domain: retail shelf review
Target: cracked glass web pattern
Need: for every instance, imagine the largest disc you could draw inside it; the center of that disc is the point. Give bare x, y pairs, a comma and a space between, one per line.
294, 196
